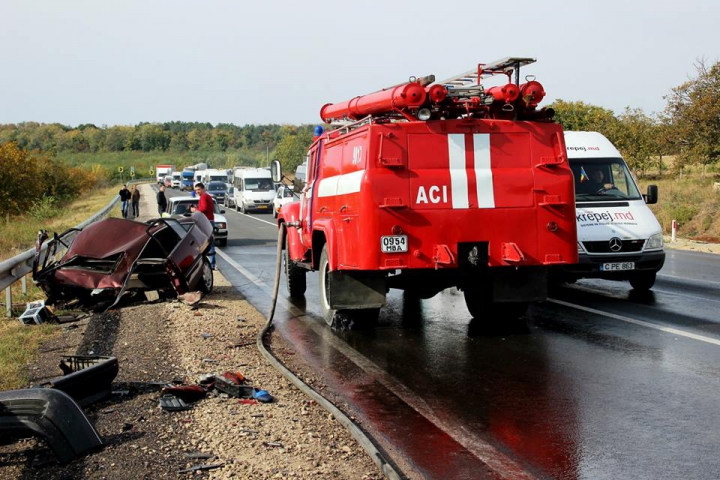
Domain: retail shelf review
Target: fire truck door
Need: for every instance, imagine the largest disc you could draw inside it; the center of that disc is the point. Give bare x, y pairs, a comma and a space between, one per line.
306, 198
354, 159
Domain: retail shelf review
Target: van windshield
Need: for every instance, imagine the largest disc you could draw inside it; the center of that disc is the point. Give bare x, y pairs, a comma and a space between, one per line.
603, 180
259, 184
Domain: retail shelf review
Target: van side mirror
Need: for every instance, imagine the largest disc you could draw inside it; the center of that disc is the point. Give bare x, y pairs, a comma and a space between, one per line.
652, 195
276, 171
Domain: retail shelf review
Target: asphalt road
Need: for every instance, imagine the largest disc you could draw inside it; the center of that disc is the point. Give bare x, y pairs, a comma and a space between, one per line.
598, 382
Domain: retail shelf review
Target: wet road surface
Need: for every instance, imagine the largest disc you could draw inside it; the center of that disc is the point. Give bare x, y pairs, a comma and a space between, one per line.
599, 382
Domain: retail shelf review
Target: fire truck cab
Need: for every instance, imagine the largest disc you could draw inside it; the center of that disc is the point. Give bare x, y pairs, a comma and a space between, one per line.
465, 194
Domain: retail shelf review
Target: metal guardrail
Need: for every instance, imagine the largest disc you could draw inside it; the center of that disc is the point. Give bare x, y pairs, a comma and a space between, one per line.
17, 267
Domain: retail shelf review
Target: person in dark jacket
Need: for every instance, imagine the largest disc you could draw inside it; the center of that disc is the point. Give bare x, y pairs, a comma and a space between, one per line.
161, 200
124, 198
135, 201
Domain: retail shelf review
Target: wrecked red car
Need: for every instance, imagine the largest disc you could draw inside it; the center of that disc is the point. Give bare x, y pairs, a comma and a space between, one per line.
114, 257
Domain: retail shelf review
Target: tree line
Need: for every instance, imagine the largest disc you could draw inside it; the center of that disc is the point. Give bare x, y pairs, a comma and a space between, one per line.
37, 182
689, 129
145, 137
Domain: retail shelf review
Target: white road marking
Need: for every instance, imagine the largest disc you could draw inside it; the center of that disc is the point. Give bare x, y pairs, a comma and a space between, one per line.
641, 323
663, 275
258, 219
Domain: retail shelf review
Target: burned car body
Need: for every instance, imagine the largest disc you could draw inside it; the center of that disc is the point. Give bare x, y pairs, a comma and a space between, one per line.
115, 256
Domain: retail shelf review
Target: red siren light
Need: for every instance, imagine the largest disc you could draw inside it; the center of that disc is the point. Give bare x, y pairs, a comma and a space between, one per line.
532, 93
507, 93
437, 93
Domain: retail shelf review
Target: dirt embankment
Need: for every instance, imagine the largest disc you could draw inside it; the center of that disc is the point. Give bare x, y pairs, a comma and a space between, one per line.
289, 438
693, 245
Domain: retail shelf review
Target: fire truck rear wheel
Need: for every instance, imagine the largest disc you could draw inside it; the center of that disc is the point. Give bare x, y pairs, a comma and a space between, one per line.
328, 313
294, 274
341, 319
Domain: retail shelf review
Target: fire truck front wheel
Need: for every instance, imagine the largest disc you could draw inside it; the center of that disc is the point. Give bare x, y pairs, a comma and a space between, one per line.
294, 274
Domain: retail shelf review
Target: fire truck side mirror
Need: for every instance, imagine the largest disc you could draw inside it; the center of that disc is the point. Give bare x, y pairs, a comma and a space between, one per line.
276, 171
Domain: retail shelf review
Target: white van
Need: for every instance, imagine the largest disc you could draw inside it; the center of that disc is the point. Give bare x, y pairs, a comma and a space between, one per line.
198, 177
619, 238
177, 180
213, 175
254, 189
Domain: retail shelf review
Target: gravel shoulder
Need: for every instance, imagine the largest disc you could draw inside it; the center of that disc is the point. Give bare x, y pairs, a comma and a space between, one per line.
163, 342
692, 245
168, 341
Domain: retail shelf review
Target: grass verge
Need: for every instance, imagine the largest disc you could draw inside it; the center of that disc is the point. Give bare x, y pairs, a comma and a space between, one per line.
19, 346
693, 202
19, 343
19, 233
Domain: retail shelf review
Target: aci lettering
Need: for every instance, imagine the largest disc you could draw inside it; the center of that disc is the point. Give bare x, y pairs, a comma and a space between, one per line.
434, 194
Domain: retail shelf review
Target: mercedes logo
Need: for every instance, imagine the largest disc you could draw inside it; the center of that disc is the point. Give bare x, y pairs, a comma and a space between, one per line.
615, 244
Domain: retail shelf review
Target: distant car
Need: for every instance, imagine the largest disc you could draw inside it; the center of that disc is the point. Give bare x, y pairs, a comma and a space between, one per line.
177, 180
217, 190
180, 206
229, 196
167, 181
285, 194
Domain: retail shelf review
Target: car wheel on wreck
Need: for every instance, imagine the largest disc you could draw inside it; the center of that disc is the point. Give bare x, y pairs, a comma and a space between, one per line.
206, 284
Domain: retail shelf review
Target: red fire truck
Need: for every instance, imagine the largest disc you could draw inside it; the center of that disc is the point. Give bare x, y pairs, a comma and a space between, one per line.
423, 187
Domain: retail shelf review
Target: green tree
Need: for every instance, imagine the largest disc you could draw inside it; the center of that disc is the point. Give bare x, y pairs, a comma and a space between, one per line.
693, 111
292, 149
636, 138
581, 116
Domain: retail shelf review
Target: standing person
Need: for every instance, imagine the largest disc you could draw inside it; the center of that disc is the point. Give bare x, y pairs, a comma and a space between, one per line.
124, 197
161, 200
207, 207
135, 200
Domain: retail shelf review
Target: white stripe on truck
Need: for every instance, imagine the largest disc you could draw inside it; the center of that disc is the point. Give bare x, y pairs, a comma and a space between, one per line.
483, 172
341, 184
458, 175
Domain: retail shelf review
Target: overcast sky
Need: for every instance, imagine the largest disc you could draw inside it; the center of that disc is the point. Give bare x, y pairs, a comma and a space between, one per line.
111, 62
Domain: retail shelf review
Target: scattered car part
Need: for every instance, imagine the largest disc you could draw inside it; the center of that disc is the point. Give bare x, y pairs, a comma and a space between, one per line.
196, 468
37, 313
225, 385
171, 403
262, 396
114, 256
187, 393
86, 378
52, 415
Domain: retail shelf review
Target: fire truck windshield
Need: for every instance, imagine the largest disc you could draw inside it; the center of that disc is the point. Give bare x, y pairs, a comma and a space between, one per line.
603, 180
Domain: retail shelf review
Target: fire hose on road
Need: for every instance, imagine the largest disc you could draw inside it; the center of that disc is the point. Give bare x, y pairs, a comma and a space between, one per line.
363, 439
